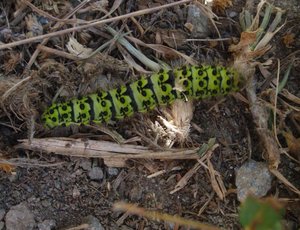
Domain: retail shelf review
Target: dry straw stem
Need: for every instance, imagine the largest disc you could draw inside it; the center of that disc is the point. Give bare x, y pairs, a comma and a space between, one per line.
154, 215
215, 177
97, 23
102, 149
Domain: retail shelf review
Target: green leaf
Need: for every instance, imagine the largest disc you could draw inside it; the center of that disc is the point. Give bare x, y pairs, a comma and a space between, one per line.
205, 147
261, 214
285, 78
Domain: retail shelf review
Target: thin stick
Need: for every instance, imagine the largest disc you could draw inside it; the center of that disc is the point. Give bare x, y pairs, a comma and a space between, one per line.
275, 102
78, 28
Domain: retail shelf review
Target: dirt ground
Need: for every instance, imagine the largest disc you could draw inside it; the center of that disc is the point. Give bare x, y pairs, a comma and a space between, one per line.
61, 191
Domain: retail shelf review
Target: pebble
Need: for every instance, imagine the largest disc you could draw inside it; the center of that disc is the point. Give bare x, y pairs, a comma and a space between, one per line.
93, 223
112, 171
233, 14
95, 173
198, 21
2, 213
76, 192
19, 217
47, 225
253, 178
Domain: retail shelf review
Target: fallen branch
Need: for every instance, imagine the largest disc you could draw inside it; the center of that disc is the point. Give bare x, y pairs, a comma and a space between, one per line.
103, 149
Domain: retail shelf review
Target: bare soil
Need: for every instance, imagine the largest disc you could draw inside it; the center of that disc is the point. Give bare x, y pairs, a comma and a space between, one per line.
63, 190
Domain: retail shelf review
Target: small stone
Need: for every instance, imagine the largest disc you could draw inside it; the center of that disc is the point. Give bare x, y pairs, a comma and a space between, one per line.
2, 213
197, 22
19, 217
233, 14
76, 192
253, 178
95, 173
47, 225
112, 171
1, 225
93, 223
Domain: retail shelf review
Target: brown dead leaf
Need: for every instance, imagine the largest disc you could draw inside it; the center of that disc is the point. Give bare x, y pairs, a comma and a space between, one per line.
247, 38
293, 144
173, 38
6, 167
219, 6
288, 39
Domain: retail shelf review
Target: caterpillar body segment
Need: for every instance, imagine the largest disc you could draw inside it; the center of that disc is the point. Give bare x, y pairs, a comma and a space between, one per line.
161, 88
144, 96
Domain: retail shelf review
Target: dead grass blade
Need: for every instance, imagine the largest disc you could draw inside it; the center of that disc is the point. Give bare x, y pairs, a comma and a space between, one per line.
130, 48
154, 215
164, 50
216, 181
184, 180
280, 177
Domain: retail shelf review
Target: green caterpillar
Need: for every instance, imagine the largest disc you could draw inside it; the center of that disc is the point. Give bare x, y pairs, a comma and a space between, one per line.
162, 88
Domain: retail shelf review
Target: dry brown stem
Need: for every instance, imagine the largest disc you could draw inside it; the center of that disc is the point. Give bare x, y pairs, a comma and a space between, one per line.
109, 151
